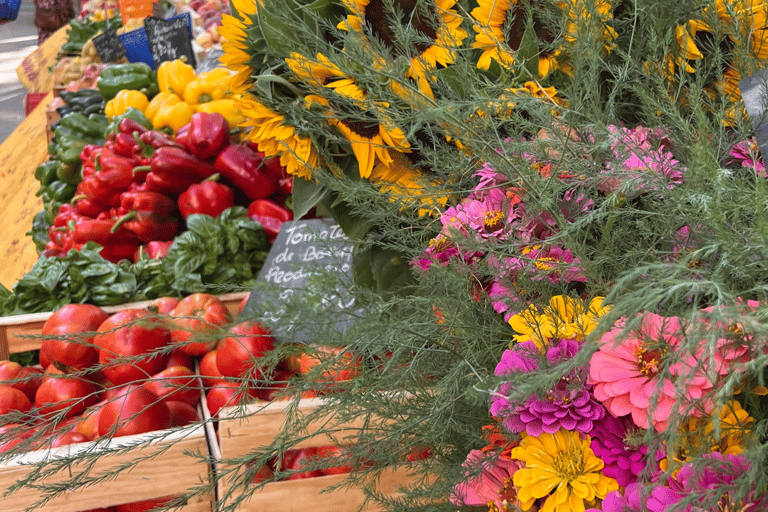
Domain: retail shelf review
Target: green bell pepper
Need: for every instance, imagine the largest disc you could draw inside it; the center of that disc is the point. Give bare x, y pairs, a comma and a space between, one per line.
58, 191
46, 172
93, 125
114, 79
70, 173
130, 113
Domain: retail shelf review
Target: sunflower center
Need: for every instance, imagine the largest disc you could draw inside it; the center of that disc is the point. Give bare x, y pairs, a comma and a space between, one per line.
514, 23
363, 128
569, 465
494, 220
378, 18
648, 361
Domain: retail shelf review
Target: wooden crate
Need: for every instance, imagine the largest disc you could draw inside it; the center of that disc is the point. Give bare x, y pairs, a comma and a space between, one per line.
174, 470
241, 430
14, 329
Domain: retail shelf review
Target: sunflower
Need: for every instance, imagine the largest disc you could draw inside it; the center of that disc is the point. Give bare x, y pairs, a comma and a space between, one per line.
323, 73
441, 26
500, 25
235, 43
563, 317
371, 140
407, 186
562, 470
274, 136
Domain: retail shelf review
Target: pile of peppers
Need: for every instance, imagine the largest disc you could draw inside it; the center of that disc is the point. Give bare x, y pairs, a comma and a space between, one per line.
139, 186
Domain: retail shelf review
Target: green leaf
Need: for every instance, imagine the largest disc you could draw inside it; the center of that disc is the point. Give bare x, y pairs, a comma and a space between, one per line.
306, 194
383, 270
528, 52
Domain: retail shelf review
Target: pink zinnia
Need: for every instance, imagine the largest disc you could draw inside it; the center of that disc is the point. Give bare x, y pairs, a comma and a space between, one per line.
626, 372
491, 486
569, 405
614, 441
748, 155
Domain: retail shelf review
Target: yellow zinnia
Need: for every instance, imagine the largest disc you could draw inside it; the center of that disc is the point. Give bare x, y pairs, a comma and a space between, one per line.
560, 469
564, 317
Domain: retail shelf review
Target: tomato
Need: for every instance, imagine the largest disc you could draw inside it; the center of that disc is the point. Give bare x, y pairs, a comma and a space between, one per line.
123, 338
238, 354
24, 378
182, 414
164, 305
13, 435
73, 345
336, 364
332, 453
61, 392
175, 383
209, 370
419, 453
89, 421
179, 358
263, 474
12, 399
145, 505
45, 356
133, 411
66, 438
196, 319
279, 381
225, 394
298, 459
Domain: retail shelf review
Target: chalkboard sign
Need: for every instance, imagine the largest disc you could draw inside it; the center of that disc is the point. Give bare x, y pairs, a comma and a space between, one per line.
169, 40
108, 46
300, 250
753, 94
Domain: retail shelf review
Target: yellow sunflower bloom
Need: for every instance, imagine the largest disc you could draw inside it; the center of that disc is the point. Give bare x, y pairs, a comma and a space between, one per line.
323, 73
560, 469
442, 26
371, 140
273, 137
407, 186
563, 317
236, 54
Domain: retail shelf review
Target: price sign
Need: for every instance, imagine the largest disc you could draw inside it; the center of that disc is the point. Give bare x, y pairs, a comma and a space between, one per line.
108, 46
169, 39
753, 94
301, 250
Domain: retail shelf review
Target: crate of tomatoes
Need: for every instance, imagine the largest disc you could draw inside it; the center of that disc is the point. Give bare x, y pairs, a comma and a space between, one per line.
250, 401
111, 419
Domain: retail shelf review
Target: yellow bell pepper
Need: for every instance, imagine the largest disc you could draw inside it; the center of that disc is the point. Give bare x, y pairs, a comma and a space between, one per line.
161, 99
203, 90
226, 108
173, 116
218, 75
125, 99
174, 75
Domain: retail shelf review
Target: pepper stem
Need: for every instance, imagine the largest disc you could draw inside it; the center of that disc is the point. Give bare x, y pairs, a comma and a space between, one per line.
146, 149
141, 168
77, 198
212, 177
122, 220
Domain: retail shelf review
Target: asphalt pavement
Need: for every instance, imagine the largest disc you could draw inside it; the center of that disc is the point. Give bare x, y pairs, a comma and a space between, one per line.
17, 40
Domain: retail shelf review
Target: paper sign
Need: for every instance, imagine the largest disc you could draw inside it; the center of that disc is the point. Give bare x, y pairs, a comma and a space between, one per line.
300, 250
108, 46
134, 9
169, 40
753, 94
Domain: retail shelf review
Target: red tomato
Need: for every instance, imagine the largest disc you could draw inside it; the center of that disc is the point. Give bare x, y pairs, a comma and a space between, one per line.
144, 506
196, 318
61, 392
298, 459
123, 338
337, 365
24, 378
164, 305
419, 453
45, 356
182, 414
209, 370
179, 358
14, 434
225, 394
89, 421
279, 382
264, 473
175, 383
330, 454
12, 399
73, 326
135, 410
237, 355
66, 438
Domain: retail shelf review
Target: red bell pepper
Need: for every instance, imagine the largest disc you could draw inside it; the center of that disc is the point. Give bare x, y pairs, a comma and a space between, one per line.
116, 246
148, 216
114, 174
173, 170
206, 135
208, 197
152, 250
244, 168
157, 140
271, 216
